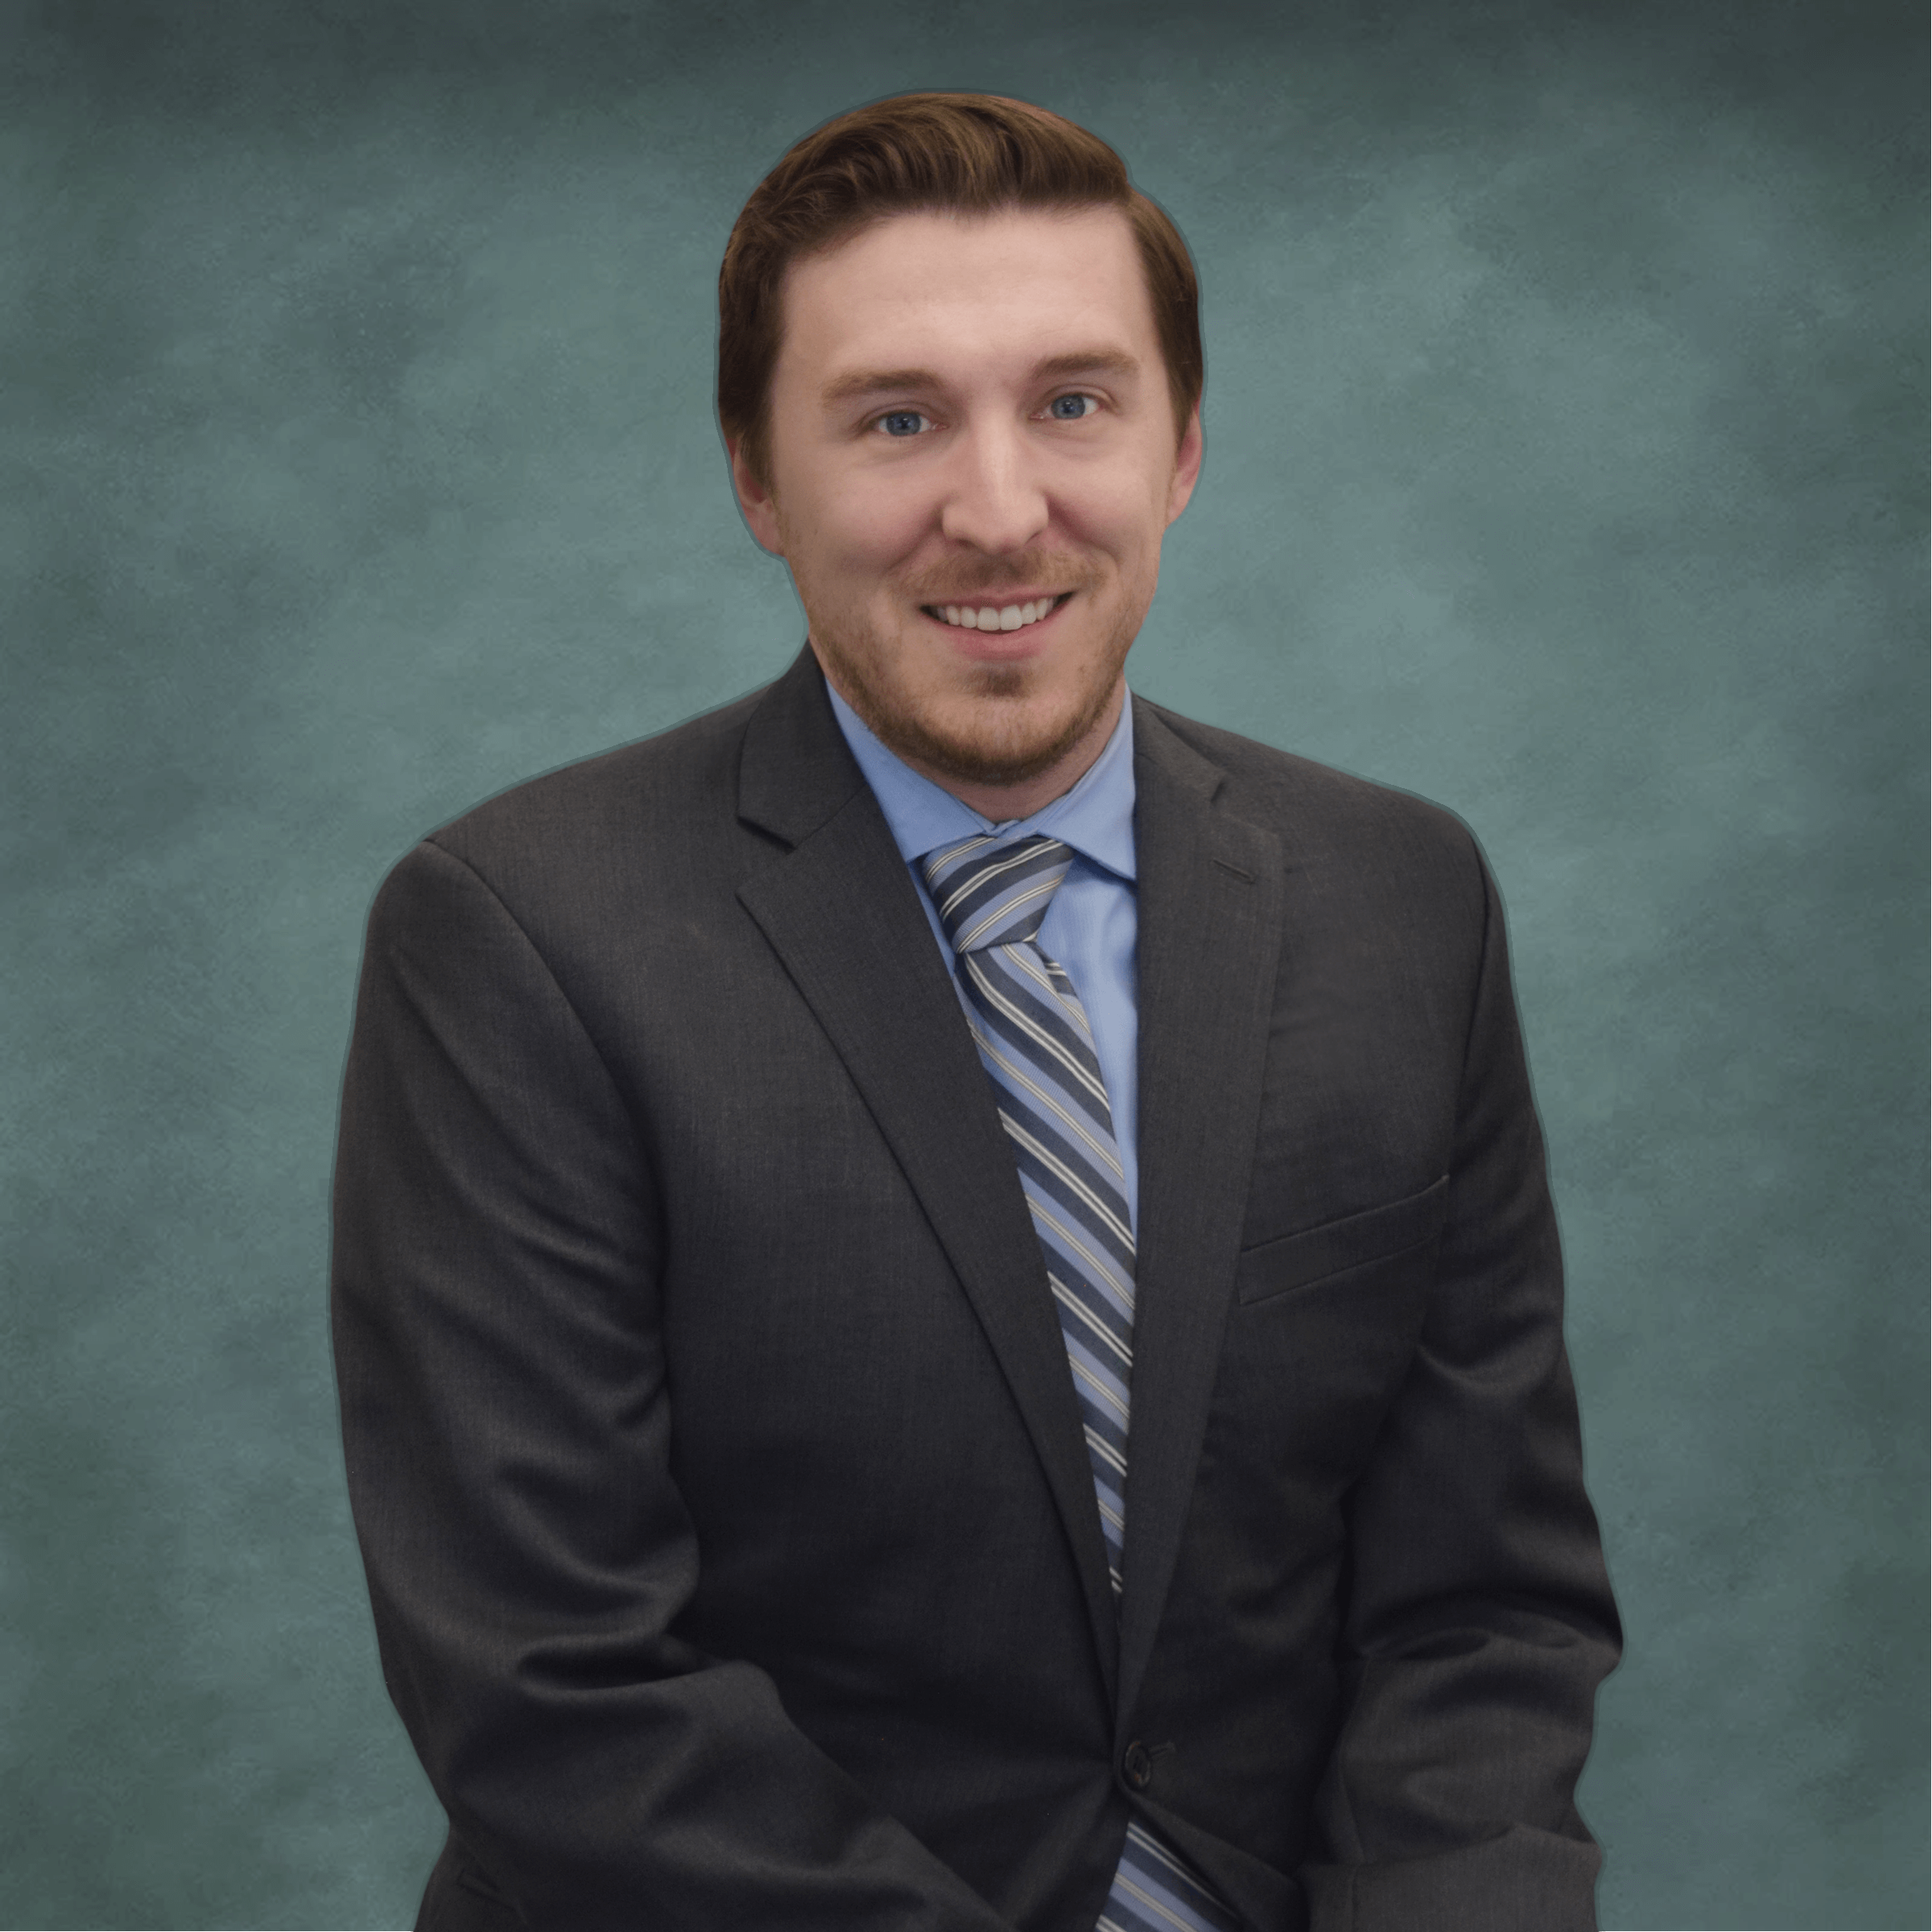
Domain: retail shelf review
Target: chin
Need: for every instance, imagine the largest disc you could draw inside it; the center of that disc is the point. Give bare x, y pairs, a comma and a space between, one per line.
975, 748
991, 724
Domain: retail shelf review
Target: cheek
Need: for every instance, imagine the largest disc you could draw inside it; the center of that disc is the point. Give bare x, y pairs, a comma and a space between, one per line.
879, 526
1115, 513
853, 527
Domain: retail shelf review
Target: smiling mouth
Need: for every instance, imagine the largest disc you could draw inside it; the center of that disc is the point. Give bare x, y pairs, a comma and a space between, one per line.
996, 616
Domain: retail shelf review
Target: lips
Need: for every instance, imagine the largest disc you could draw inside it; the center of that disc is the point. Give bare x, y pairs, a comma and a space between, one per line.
1009, 614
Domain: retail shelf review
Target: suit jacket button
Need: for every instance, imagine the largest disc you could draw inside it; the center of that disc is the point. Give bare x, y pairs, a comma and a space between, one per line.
1137, 1767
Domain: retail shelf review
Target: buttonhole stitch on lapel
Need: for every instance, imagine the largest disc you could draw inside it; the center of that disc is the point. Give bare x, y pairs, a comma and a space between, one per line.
1247, 878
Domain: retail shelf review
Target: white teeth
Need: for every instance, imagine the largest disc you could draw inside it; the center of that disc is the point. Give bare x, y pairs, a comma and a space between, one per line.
1009, 617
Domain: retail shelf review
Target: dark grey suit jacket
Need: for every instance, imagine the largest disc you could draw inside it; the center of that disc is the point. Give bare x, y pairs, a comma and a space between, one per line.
715, 1464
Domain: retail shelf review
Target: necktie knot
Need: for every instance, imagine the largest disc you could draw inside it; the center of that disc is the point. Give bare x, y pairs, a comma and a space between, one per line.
991, 892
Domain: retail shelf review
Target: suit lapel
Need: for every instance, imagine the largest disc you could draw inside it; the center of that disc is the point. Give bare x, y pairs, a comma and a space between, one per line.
1210, 924
841, 911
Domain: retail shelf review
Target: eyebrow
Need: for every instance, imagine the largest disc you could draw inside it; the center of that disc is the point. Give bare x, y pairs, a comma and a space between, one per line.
1076, 362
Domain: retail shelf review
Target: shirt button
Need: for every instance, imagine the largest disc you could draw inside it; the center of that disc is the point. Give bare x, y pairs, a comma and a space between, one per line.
1137, 1767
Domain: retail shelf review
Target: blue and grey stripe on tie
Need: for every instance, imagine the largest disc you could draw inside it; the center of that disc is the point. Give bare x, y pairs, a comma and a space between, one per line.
1154, 1891
1037, 1049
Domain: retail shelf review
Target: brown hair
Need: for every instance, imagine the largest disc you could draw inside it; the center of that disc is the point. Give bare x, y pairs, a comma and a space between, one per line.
969, 153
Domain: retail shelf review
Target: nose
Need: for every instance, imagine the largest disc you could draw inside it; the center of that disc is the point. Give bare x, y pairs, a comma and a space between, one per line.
995, 499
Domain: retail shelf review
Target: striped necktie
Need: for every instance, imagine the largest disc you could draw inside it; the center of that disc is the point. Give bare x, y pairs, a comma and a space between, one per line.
1034, 1041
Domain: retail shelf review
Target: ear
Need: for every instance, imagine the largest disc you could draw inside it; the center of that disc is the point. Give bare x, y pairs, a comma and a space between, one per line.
761, 511
1187, 466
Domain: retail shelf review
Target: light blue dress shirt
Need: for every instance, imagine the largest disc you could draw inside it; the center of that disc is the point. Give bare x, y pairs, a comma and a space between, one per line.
1092, 924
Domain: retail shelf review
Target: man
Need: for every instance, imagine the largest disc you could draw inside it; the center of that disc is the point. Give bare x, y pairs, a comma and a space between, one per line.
947, 1311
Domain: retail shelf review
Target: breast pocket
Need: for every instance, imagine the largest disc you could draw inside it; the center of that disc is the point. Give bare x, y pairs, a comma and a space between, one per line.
1316, 1254
1323, 1330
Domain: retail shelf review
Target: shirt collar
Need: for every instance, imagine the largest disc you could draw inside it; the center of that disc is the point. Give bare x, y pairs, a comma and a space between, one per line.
1095, 818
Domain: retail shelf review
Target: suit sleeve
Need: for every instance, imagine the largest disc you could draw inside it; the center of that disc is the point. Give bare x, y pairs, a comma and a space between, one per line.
507, 1424
1479, 1620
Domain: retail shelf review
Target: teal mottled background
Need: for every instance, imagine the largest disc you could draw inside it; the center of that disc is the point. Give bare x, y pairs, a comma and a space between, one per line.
1564, 423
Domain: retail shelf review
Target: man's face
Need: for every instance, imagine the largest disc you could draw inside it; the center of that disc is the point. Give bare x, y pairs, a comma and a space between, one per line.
970, 414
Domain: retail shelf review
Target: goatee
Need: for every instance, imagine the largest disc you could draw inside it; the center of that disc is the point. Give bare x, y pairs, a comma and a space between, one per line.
990, 756
995, 742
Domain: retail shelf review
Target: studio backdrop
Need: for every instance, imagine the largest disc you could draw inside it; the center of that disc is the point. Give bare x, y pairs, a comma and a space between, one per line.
1564, 423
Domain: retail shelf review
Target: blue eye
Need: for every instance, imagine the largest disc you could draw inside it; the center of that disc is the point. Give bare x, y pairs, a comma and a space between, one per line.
1088, 404
900, 423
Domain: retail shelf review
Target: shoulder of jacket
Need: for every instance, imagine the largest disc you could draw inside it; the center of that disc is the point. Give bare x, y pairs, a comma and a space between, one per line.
610, 801
1315, 803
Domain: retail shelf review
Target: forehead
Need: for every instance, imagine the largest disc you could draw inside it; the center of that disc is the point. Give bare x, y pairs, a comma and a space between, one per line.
975, 292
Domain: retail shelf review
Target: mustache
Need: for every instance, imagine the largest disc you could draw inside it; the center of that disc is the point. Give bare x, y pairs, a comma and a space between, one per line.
1034, 568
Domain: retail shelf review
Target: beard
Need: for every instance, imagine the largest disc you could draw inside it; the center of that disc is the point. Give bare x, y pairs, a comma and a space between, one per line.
990, 725
996, 741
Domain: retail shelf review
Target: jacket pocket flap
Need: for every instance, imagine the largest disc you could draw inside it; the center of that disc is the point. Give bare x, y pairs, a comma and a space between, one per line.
1295, 1260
